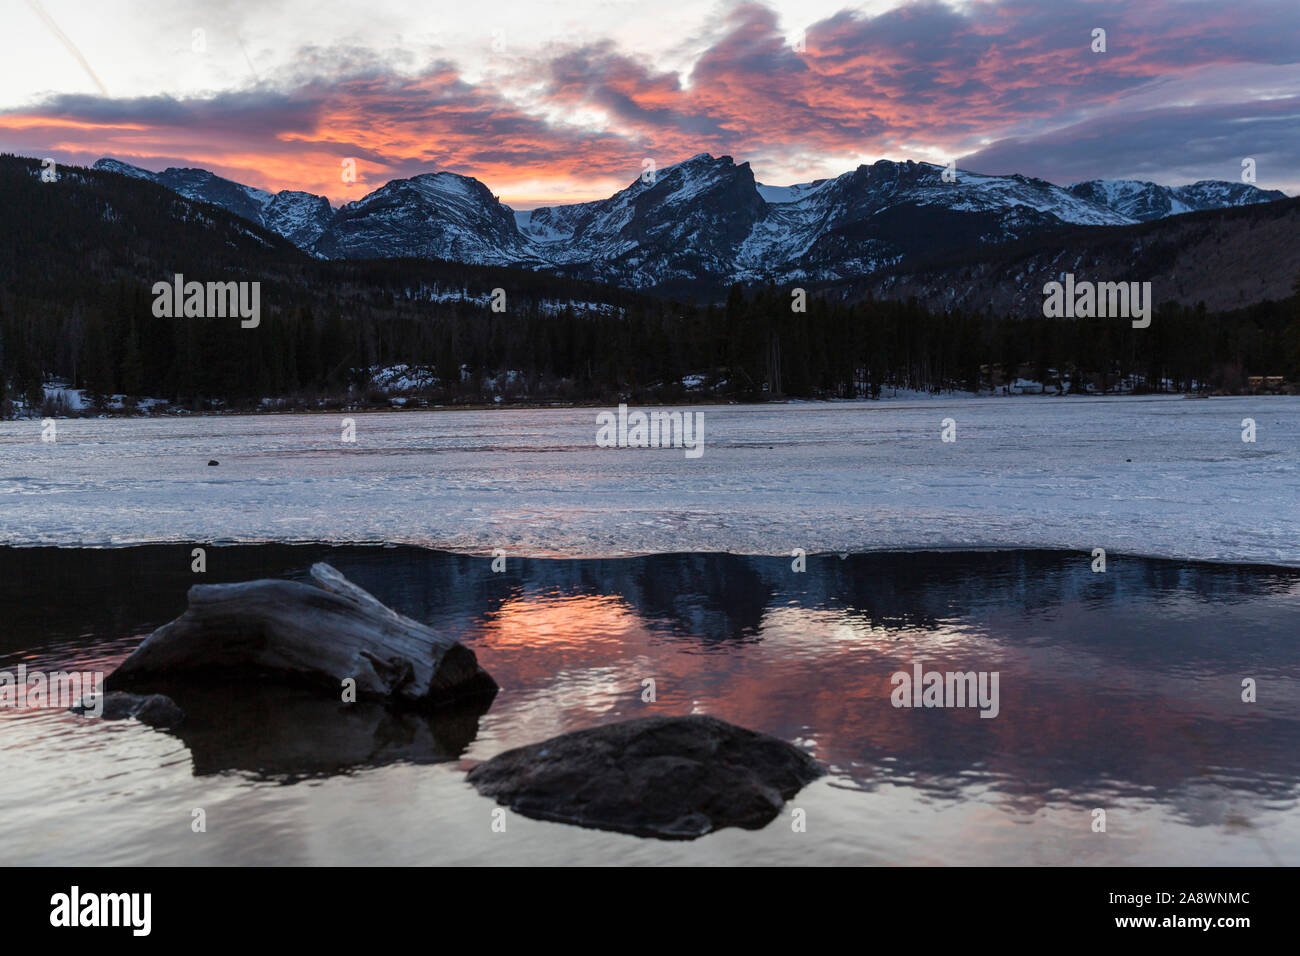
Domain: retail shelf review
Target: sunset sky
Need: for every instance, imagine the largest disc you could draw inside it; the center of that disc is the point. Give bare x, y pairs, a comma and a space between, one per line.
561, 102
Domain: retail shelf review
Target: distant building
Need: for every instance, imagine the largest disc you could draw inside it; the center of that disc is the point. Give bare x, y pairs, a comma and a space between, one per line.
1267, 384
1024, 386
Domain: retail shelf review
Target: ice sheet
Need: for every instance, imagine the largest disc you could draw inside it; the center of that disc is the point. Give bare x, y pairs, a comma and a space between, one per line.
1161, 476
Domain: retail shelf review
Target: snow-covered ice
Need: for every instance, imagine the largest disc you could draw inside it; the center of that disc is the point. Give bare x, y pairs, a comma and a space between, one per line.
1152, 476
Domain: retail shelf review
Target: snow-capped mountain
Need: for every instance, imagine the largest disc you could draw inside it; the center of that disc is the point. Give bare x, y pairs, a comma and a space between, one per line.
434, 215
703, 219
125, 169
685, 222
1143, 201
298, 216
708, 217
876, 215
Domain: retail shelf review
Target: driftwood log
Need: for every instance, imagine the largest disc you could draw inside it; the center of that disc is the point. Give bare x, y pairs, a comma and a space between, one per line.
321, 633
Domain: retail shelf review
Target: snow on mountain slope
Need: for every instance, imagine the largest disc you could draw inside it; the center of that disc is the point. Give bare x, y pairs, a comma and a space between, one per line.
685, 223
541, 230
1143, 201
973, 191
788, 194
1217, 194
885, 183
598, 227
558, 223
203, 186
299, 217
435, 215
125, 169
875, 215
703, 219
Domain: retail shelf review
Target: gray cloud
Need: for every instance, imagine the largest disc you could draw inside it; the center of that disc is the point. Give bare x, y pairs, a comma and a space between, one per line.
1169, 146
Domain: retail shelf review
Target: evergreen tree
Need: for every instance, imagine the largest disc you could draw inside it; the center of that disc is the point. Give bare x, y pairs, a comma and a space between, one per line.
97, 377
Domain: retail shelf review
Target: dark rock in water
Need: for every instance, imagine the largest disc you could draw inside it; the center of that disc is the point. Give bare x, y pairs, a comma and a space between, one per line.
214, 462
152, 709
158, 711
675, 778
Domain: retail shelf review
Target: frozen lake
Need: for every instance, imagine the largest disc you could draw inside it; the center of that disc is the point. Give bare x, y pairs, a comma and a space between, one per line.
1161, 476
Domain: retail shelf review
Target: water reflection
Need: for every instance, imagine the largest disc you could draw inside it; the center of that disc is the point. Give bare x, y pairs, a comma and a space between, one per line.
289, 734
1122, 687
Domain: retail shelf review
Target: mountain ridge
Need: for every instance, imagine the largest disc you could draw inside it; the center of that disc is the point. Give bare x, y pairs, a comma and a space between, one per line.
703, 220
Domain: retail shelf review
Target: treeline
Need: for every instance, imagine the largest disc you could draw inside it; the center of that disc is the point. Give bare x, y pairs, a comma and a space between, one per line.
750, 348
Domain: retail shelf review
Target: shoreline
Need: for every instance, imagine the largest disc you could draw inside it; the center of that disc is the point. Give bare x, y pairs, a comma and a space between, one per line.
910, 396
435, 550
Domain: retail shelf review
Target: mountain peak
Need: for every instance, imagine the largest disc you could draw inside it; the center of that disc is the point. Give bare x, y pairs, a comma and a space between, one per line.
109, 165
1144, 201
440, 215
705, 162
298, 216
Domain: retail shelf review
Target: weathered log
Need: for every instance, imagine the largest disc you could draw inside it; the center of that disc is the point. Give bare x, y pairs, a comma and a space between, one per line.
675, 778
321, 633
